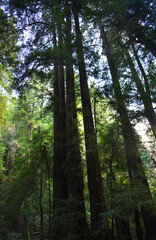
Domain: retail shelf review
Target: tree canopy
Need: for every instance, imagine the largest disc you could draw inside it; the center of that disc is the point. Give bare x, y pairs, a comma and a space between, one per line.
76, 79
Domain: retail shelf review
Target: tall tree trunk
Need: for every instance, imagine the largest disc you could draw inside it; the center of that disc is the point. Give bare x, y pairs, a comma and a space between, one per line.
147, 87
145, 96
135, 167
41, 208
62, 117
50, 207
76, 197
97, 204
95, 113
139, 232
60, 180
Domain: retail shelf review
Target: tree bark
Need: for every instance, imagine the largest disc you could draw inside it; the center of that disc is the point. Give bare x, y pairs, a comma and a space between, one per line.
60, 178
135, 167
145, 96
139, 232
97, 204
137, 34
41, 208
76, 197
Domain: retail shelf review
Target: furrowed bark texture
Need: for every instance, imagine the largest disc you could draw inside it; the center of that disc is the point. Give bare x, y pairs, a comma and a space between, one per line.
60, 178
79, 227
97, 204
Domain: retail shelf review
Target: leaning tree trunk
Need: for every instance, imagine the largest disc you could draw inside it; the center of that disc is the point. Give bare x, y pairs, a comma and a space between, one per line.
135, 167
145, 96
97, 204
148, 93
137, 34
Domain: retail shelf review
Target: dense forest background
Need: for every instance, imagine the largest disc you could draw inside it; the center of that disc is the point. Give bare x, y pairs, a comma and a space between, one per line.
76, 79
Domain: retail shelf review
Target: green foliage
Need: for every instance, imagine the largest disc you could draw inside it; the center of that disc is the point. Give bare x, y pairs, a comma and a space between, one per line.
8, 36
26, 124
3, 110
